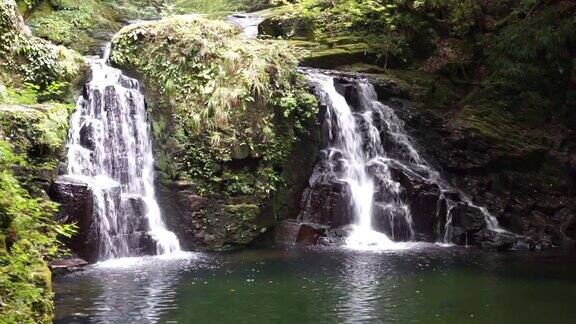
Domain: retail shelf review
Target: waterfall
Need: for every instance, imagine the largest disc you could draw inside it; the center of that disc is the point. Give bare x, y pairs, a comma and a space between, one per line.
347, 152
109, 149
369, 150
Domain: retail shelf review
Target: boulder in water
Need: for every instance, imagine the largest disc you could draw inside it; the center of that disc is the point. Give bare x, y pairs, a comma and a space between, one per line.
287, 232
392, 220
134, 209
76, 207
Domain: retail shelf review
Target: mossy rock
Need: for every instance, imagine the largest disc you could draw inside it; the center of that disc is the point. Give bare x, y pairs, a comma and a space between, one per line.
245, 212
84, 25
226, 115
283, 22
37, 133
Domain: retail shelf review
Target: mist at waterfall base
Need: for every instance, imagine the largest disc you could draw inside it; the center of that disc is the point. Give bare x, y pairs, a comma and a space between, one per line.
419, 285
110, 150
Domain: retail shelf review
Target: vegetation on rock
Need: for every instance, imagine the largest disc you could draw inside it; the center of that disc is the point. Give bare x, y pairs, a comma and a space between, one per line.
227, 110
493, 83
31, 138
28, 236
84, 25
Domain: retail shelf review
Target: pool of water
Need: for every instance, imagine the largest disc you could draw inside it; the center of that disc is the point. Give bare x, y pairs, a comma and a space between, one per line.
423, 284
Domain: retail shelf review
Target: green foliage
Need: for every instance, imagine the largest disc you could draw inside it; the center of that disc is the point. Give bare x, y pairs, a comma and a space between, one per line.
84, 25
28, 236
229, 99
34, 60
215, 6
27, 95
533, 49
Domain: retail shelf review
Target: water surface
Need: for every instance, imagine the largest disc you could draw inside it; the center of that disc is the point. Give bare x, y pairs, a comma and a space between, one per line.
426, 284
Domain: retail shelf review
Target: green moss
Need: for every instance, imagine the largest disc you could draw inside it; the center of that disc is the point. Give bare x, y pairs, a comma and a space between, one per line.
245, 212
215, 6
27, 59
222, 106
28, 236
38, 134
84, 25
242, 226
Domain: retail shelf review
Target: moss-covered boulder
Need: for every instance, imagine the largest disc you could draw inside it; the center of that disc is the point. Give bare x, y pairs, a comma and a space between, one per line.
37, 133
327, 40
229, 115
84, 25
30, 61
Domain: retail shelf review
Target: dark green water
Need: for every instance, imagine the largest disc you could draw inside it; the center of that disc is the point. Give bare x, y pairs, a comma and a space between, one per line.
421, 285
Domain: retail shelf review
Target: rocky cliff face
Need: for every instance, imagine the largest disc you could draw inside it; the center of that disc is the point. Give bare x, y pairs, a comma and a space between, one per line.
525, 177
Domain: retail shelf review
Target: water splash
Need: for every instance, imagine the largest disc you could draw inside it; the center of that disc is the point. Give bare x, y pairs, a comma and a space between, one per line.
109, 148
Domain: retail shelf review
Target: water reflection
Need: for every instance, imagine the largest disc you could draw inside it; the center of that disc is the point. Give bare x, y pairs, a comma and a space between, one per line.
131, 290
420, 285
360, 281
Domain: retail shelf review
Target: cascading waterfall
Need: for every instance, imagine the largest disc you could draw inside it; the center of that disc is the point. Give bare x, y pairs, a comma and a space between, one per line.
366, 144
109, 149
348, 153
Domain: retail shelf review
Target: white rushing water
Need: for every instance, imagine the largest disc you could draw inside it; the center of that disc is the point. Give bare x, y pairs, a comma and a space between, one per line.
247, 22
347, 141
110, 149
356, 147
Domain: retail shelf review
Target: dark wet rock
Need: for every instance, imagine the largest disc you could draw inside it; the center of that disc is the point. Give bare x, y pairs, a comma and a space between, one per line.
496, 240
66, 266
391, 220
287, 232
470, 227
76, 207
452, 195
424, 199
327, 200
524, 184
337, 236
293, 232
140, 243
310, 234
134, 209
182, 209
468, 218
349, 90
87, 137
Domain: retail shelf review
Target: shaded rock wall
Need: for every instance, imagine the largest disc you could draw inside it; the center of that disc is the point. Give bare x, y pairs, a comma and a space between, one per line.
522, 176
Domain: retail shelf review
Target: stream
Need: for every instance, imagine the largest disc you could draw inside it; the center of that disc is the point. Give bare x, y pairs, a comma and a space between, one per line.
426, 284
